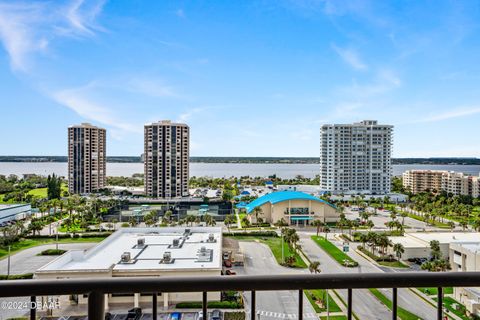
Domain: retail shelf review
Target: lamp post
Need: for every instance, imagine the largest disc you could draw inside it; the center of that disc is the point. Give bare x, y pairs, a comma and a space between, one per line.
8, 263
283, 258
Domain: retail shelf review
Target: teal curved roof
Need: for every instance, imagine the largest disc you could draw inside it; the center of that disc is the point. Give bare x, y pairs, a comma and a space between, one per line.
280, 196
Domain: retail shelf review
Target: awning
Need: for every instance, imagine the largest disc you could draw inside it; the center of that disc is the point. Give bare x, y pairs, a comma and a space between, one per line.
301, 218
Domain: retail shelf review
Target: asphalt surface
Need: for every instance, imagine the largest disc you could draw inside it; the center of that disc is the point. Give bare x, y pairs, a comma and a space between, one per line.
27, 261
365, 304
278, 304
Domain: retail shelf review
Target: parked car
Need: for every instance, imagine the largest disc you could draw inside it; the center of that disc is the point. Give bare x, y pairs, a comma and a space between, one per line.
227, 263
216, 315
134, 314
230, 272
175, 316
200, 315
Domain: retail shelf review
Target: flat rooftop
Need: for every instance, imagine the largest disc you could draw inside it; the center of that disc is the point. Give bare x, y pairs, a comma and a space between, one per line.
409, 242
9, 206
190, 249
470, 246
445, 237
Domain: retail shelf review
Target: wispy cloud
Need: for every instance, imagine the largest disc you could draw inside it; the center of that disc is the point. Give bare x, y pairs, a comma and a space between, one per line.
77, 100
27, 27
351, 57
456, 113
151, 87
184, 117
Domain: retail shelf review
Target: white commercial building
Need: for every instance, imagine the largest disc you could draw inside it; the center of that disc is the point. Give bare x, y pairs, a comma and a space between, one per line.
417, 244
465, 256
356, 158
144, 252
12, 212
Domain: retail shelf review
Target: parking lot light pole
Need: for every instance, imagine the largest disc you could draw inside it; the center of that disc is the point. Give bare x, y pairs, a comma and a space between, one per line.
8, 263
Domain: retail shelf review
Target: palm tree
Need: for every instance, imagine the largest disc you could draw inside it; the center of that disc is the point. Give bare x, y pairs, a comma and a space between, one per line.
317, 223
451, 224
228, 221
399, 250
314, 267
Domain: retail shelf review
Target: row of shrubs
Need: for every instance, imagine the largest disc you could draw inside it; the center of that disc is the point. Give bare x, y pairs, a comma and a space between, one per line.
52, 252
238, 315
211, 304
388, 258
16, 276
251, 233
76, 235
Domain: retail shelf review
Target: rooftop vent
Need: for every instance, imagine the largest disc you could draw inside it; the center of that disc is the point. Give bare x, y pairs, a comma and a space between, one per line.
125, 258
211, 238
187, 232
141, 242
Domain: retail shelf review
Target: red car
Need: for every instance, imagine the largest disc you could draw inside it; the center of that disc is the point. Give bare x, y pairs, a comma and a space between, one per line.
230, 272
227, 263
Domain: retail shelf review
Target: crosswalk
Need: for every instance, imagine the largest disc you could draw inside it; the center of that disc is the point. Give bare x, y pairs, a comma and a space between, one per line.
262, 314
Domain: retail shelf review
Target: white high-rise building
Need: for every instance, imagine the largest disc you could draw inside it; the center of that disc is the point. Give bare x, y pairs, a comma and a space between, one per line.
166, 159
356, 158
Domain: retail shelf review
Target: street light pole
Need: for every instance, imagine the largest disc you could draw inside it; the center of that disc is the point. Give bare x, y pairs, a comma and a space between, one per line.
328, 307
8, 263
283, 258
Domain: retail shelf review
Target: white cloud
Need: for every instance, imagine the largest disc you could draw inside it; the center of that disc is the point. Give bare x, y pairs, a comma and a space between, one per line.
151, 87
184, 117
455, 113
77, 100
351, 57
27, 27
180, 13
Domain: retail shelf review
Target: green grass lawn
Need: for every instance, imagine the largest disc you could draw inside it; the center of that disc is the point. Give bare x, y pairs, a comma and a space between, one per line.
461, 311
334, 318
401, 313
29, 243
42, 192
435, 223
275, 244
434, 291
71, 228
320, 293
333, 251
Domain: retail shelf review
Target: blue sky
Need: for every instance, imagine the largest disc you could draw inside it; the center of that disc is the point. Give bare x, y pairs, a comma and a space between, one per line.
251, 78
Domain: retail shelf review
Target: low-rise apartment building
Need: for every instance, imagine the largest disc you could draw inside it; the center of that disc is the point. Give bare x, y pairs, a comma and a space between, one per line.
456, 183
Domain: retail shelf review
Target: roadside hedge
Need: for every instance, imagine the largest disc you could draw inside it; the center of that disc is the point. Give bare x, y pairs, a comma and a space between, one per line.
52, 252
251, 234
211, 304
16, 276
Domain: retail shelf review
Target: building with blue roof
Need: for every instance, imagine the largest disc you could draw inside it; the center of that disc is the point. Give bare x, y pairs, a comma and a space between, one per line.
296, 208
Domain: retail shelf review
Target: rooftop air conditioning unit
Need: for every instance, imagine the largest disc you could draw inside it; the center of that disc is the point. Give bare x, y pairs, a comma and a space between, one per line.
141, 242
176, 242
167, 256
187, 232
211, 238
125, 257
203, 249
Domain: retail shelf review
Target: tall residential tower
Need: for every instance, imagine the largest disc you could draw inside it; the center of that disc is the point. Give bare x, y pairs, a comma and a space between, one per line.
356, 158
166, 159
86, 158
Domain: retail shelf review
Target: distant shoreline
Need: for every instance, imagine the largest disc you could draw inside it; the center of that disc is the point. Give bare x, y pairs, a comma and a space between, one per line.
266, 160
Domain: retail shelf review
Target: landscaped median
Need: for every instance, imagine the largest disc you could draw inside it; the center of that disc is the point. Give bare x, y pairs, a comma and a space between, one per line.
334, 252
383, 261
274, 242
320, 295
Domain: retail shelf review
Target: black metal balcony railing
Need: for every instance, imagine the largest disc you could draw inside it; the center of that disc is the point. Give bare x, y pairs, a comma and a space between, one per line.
97, 288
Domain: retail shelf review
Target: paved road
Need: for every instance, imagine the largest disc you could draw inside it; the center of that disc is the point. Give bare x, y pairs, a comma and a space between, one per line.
406, 299
272, 305
27, 261
365, 305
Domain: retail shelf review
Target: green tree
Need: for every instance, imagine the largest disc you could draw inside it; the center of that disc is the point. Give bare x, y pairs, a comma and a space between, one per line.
399, 249
314, 267
54, 187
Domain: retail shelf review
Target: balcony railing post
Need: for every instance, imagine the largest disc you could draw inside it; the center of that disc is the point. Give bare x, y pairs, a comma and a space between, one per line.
349, 304
204, 305
300, 304
394, 304
253, 305
33, 308
154, 306
96, 306
439, 303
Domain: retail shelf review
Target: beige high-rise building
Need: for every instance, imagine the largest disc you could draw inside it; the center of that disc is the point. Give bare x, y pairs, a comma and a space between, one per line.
166, 159
86, 158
